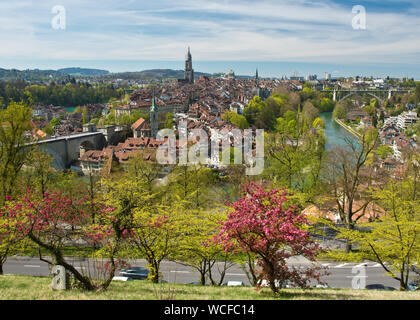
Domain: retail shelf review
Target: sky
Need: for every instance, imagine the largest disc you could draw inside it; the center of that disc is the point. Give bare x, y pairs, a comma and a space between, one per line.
276, 36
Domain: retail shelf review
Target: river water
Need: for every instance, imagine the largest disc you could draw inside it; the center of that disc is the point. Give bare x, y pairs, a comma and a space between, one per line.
334, 132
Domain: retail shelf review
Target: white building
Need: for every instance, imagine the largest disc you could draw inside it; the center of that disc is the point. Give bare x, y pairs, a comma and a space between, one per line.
405, 119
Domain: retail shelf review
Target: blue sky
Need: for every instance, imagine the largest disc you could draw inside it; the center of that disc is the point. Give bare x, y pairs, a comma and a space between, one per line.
279, 37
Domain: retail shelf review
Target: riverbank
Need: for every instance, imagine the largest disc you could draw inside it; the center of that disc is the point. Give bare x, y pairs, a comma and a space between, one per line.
336, 134
349, 129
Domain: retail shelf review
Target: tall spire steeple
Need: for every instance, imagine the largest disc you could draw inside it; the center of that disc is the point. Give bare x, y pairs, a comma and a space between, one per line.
154, 117
189, 71
153, 107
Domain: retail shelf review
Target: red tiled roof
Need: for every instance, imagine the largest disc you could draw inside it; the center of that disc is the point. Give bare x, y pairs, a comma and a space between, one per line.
138, 123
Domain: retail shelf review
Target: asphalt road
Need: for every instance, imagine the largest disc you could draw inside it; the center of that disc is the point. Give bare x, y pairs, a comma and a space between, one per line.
341, 274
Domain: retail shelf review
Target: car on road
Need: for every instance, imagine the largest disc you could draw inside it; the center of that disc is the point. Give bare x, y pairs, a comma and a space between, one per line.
379, 287
122, 279
234, 284
414, 285
135, 273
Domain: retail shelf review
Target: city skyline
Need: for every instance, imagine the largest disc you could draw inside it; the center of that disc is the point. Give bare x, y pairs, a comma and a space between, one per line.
266, 69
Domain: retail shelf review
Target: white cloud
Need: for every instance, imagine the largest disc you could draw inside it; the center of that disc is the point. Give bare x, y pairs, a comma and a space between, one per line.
216, 30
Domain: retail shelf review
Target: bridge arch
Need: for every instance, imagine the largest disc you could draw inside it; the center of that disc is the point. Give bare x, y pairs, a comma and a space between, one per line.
58, 162
361, 92
84, 146
66, 149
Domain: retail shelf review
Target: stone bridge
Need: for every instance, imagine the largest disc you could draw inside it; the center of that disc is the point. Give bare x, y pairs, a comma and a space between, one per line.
381, 95
66, 149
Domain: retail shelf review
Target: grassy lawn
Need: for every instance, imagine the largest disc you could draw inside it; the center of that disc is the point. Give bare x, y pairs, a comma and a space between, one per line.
37, 288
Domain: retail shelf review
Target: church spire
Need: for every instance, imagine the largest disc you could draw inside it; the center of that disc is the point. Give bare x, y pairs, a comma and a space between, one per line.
189, 71
153, 107
256, 77
154, 117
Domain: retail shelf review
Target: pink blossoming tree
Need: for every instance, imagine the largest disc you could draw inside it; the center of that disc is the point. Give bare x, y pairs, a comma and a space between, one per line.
54, 221
262, 223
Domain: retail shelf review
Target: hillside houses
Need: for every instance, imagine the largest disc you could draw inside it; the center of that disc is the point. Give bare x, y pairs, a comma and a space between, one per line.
392, 134
215, 94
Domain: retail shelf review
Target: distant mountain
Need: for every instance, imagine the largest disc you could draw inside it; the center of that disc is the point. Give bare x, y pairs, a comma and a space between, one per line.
76, 72
154, 74
43, 75
31, 75
84, 72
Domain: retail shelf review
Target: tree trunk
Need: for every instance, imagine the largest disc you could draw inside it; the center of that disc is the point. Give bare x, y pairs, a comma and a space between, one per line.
155, 271
202, 278
348, 243
1, 268
348, 246
273, 285
271, 277
213, 283
251, 266
59, 260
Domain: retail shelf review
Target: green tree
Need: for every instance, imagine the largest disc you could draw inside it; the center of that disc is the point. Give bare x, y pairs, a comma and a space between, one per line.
417, 94
48, 130
197, 249
40, 167
370, 109
156, 233
326, 105
384, 152
349, 178
394, 239
340, 111
192, 184
295, 152
310, 112
84, 115
54, 122
11, 236
13, 149
169, 121
236, 119
145, 172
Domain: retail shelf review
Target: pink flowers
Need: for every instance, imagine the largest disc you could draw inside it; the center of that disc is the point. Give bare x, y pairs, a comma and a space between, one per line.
262, 222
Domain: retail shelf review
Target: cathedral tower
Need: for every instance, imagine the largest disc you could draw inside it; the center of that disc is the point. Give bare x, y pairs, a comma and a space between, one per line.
256, 78
189, 71
154, 118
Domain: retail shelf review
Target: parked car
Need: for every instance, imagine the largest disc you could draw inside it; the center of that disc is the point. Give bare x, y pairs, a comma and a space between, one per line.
413, 286
135, 273
379, 287
234, 284
122, 279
